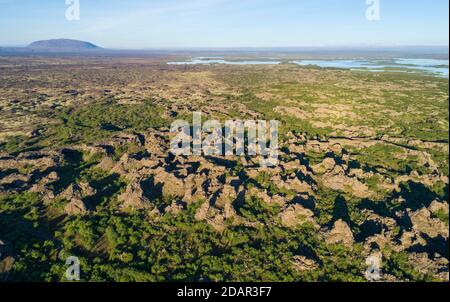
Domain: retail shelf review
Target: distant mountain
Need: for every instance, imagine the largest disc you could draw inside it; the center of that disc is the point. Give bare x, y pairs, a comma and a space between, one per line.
62, 45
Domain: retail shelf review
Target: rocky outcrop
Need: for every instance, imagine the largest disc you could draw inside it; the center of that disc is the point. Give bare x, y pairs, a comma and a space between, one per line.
6, 260
437, 207
343, 183
15, 182
134, 197
28, 171
203, 212
75, 195
340, 233
327, 165
80, 191
301, 263
437, 267
424, 224
45, 187
296, 215
75, 207
171, 185
32, 161
226, 196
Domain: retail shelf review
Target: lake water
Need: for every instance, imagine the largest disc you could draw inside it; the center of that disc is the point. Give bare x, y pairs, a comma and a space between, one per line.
433, 66
221, 60
346, 64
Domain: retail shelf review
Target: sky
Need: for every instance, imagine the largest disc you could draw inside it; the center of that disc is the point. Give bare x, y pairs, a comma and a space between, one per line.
146, 24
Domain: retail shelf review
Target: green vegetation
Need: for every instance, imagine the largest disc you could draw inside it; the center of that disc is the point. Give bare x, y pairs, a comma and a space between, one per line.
132, 247
391, 159
97, 121
91, 123
443, 216
399, 266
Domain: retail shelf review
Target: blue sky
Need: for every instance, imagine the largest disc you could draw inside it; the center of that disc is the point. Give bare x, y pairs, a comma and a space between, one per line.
226, 23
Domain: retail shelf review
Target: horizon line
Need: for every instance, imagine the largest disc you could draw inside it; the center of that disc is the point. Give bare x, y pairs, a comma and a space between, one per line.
359, 46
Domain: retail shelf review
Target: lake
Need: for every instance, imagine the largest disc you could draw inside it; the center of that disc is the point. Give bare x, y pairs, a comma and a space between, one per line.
432, 66
221, 60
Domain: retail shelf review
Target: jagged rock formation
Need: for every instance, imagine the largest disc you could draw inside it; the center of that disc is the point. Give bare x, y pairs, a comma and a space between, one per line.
341, 233
155, 175
75, 194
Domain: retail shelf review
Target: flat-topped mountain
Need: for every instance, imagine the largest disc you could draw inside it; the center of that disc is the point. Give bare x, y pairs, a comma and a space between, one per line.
63, 45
